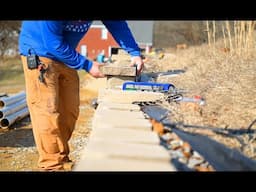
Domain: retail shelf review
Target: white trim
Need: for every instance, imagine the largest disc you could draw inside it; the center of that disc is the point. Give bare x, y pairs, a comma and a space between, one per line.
83, 50
109, 51
97, 26
104, 34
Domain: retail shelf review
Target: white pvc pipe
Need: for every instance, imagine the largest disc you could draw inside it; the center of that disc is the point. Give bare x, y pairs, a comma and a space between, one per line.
10, 119
13, 108
193, 100
4, 101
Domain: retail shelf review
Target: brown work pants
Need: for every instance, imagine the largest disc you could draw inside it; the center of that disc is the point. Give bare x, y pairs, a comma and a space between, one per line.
54, 109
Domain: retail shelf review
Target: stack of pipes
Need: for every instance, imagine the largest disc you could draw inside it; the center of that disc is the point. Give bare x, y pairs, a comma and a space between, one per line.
12, 109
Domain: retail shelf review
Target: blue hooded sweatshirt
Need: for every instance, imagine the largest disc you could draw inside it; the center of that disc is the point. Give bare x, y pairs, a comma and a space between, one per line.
58, 40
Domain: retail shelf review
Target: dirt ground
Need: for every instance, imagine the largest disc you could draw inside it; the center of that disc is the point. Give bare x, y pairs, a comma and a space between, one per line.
225, 81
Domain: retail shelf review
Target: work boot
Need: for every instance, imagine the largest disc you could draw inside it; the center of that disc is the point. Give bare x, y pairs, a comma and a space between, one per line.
68, 165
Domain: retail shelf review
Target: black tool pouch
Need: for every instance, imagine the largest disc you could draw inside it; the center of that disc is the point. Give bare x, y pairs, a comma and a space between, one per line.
32, 61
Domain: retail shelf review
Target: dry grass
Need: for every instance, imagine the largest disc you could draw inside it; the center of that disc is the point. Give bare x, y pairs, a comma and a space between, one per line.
225, 80
11, 75
238, 36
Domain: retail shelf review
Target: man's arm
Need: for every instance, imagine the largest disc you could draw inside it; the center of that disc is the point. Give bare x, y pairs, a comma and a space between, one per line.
54, 42
123, 36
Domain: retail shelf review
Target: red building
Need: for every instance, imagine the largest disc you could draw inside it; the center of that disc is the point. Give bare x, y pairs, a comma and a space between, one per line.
99, 40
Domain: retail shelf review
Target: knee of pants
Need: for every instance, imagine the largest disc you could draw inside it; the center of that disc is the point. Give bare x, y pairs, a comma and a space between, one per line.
51, 143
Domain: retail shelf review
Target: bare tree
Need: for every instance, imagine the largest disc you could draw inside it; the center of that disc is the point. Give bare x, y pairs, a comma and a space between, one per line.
9, 32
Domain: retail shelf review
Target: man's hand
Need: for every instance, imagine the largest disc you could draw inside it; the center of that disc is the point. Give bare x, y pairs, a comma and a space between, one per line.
95, 70
137, 60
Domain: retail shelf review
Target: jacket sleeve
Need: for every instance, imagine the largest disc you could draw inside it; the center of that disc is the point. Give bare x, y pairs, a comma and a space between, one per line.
123, 36
52, 35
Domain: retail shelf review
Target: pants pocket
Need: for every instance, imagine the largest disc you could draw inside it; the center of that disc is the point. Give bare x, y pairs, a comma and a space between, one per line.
33, 92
